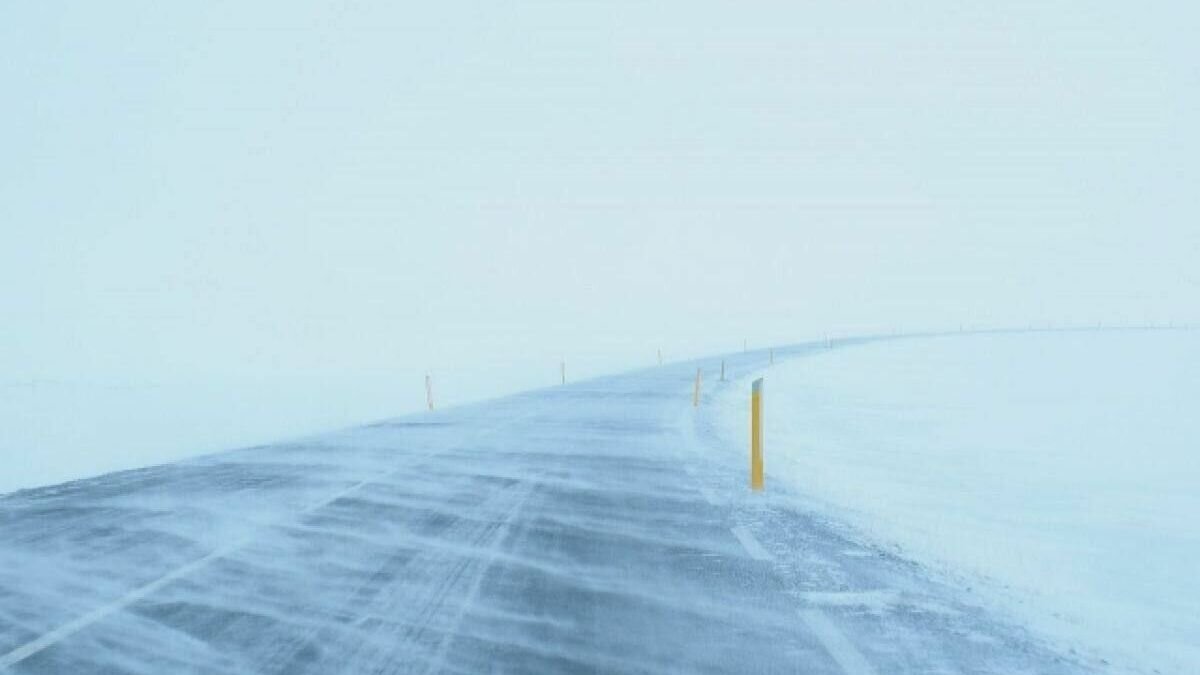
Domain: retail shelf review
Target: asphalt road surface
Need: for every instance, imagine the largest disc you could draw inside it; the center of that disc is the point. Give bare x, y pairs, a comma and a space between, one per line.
602, 526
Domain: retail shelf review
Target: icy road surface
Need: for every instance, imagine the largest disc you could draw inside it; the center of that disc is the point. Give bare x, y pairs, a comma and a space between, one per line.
596, 527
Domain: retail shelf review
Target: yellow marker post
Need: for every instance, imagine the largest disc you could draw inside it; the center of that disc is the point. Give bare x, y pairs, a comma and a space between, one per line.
696, 391
429, 391
756, 435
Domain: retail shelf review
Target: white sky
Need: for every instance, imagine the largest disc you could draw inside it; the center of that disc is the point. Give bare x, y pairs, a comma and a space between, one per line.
224, 188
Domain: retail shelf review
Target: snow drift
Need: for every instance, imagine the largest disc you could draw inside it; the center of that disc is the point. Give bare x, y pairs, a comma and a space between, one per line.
1057, 471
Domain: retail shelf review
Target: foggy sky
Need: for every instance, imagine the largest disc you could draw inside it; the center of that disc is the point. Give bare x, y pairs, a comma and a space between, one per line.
276, 188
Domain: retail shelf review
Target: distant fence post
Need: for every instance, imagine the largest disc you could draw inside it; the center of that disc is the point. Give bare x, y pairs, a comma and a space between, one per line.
696, 391
756, 435
429, 391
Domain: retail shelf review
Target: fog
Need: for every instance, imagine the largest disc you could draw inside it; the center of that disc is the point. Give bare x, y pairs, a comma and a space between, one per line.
373, 191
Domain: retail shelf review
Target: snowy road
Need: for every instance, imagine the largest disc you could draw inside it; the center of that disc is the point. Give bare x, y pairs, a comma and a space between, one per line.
596, 527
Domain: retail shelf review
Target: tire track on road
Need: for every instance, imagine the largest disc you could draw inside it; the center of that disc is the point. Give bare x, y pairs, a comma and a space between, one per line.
64, 631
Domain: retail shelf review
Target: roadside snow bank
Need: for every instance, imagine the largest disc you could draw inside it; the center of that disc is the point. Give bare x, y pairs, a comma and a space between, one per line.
1061, 472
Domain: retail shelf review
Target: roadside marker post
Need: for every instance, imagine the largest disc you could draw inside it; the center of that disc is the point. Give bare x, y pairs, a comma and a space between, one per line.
696, 391
429, 391
722, 370
756, 435
563, 370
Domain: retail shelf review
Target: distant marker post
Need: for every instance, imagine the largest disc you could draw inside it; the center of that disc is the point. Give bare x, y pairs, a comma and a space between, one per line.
696, 391
429, 391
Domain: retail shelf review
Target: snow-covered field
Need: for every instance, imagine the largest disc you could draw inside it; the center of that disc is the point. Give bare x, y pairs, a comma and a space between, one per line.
57, 430
54, 431
1056, 474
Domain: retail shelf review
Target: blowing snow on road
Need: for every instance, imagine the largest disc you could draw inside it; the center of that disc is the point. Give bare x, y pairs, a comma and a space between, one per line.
601, 526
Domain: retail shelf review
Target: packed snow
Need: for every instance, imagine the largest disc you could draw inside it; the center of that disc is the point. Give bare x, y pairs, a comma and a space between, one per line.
1055, 474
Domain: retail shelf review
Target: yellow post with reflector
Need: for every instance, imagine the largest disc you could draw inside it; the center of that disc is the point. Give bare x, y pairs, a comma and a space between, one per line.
696, 391
756, 435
